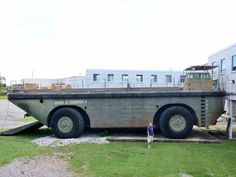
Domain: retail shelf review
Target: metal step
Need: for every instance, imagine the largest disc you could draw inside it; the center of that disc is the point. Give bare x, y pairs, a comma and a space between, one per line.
25, 128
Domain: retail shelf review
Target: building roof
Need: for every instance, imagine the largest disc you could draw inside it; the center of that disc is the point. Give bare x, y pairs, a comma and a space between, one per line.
222, 50
200, 67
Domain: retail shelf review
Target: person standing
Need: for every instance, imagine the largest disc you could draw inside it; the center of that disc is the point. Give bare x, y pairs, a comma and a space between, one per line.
150, 134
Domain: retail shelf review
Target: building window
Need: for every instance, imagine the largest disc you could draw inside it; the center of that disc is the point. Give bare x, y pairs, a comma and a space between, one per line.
125, 77
213, 63
234, 63
139, 78
96, 77
110, 77
154, 78
168, 78
182, 78
222, 65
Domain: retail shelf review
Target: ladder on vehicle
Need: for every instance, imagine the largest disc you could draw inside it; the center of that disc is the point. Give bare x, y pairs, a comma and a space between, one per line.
229, 113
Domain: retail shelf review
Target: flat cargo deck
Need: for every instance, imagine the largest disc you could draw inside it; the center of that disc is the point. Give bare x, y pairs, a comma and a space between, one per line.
111, 93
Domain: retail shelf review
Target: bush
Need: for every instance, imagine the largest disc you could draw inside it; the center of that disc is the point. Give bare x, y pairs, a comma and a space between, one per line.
104, 133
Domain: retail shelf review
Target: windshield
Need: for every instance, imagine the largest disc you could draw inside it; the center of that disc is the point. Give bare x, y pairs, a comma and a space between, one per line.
198, 76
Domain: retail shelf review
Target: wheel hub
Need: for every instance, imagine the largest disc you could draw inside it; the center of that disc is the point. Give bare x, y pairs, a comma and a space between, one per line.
65, 124
177, 123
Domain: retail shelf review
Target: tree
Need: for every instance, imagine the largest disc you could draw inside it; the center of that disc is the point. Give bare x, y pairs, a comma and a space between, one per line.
2, 82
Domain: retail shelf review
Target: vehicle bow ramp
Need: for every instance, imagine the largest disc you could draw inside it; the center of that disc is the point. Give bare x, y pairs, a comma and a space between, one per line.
25, 128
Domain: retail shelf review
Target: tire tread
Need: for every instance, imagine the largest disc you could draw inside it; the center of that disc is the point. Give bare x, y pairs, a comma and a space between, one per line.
77, 119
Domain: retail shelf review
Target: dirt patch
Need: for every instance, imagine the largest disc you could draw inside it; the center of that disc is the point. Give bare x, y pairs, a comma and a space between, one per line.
186, 175
42, 166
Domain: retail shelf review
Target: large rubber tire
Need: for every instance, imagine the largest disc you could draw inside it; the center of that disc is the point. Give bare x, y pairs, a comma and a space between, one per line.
67, 123
184, 125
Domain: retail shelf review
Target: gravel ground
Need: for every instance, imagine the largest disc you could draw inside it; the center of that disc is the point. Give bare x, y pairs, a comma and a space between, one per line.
54, 142
42, 166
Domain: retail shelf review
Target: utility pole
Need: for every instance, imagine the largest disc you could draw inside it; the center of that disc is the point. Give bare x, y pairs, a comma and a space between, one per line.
229, 113
230, 119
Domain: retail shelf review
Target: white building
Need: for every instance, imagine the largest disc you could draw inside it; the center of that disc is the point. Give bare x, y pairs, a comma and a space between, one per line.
138, 78
73, 82
95, 78
225, 73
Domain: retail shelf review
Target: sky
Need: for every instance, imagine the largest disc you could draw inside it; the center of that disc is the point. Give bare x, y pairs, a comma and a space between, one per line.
62, 38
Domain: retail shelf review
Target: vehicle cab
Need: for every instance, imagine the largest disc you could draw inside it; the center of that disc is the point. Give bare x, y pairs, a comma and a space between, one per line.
198, 78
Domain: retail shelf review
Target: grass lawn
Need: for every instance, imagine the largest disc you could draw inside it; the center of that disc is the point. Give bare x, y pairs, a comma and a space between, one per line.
26, 119
3, 97
131, 159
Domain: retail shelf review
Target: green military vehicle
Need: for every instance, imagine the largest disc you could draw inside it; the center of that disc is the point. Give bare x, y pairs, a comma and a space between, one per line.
173, 110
